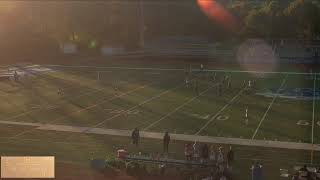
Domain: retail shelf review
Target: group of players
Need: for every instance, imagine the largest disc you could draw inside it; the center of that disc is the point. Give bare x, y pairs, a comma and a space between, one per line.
192, 80
222, 84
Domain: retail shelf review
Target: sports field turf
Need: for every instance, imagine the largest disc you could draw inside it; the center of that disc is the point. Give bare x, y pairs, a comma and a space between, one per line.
158, 100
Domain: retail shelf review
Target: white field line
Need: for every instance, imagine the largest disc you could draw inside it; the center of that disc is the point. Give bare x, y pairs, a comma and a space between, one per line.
86, 108
61, 101
269, 107
45, 76
104, 71
68, 87
179, 69
222, 109
178, 137
118, 67
178, 108
104, 100
313, 108
132, 108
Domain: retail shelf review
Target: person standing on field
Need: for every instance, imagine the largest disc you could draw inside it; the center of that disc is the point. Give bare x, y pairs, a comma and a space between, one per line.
187, 82
197, 87
230, 156
166, 141
246, 117
219, 90
204, 153
256, 171
16, 77
135, 136
214, 77
212, 156
220, 156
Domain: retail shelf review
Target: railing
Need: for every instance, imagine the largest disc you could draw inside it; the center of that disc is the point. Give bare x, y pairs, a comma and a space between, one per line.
146, 159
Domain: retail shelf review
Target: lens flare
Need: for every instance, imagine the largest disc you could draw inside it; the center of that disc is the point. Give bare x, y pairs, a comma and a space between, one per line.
217, 13
257, 55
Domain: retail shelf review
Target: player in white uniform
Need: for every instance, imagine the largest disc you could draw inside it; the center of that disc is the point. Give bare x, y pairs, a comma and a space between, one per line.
60, 92
244, 84
214, 77
246, 117
187, 82
116, 88
229, 83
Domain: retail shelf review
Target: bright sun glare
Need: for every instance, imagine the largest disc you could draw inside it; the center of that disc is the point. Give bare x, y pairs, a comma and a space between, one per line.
217, 13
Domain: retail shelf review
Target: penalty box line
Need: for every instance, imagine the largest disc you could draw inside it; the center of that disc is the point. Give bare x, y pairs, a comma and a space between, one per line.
130, 109
219, 112
86, 108
269, 107
179, 107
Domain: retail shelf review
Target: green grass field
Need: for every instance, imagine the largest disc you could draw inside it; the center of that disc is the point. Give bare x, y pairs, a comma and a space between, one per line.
156, 100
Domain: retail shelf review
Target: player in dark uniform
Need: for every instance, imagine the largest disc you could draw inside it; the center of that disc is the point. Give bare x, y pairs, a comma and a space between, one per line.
187, 71
16, 77
223, 80
135, 136
229, 84
253, 84
219, 90
244, 84
166, 141
197, 87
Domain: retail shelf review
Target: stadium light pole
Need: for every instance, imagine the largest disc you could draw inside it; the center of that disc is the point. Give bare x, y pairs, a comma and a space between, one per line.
141, 16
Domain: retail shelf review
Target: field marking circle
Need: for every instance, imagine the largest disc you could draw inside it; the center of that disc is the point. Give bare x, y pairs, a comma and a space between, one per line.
222, 118
303, 123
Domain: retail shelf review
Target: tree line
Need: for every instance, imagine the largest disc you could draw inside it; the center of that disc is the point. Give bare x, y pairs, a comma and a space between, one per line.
278, 18
33, 25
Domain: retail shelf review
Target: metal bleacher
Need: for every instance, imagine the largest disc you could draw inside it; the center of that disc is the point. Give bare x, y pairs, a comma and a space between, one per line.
176, 162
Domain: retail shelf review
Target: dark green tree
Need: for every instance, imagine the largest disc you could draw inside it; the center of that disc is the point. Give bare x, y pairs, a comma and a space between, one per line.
304, 18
